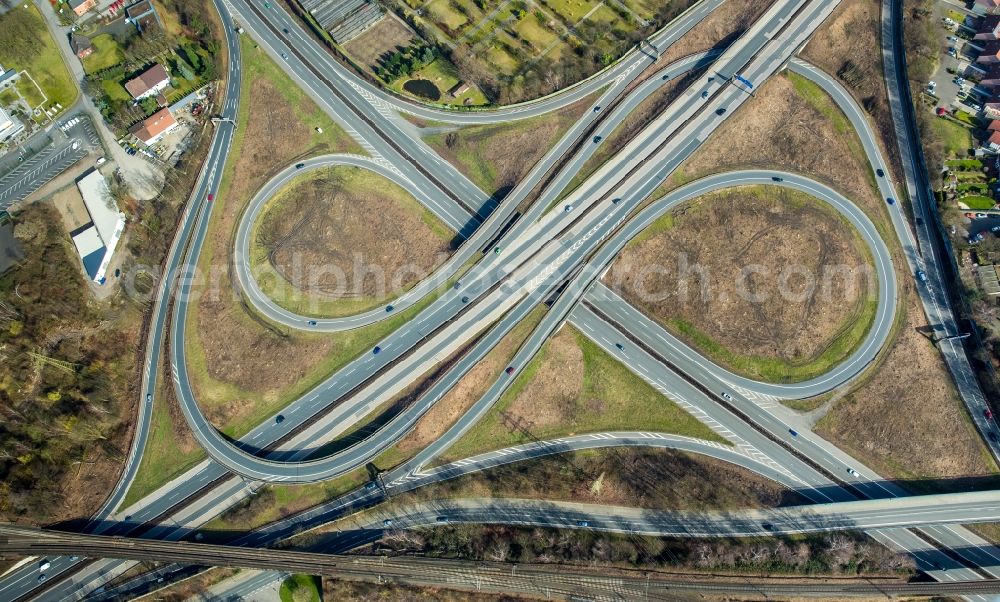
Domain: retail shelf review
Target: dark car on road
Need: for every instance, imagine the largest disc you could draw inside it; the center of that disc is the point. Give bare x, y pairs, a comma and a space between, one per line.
279, 419
597, 139
880, 173
299, 165
376, 350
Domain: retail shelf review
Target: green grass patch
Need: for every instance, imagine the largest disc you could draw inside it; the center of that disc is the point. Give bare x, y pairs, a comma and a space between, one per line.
975, 201
37, 54
162, 458
572, 10
106, 54
957, 139
964, 164
115, 90
300, 588
444, 75
625, 401
965, 117
29, 90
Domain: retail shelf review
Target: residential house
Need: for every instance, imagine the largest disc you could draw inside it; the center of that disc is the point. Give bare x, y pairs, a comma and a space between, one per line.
993, 142
459, 89
81, 46
989, 29
986, 7
143, 15
81, 6
153, 128
990, 54
152, 81
991, 78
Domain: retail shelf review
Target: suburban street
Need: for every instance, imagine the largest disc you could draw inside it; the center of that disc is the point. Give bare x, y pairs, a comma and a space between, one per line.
552, 253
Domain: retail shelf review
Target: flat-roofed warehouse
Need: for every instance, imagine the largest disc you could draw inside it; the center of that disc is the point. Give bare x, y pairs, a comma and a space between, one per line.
344, 19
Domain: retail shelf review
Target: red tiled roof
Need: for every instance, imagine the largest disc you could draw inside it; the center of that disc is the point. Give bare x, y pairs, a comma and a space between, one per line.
153, 125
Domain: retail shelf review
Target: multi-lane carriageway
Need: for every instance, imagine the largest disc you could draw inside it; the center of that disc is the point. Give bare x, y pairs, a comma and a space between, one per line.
535, 263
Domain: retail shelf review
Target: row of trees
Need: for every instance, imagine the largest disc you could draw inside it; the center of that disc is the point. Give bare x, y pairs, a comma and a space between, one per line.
64, 369
404, 61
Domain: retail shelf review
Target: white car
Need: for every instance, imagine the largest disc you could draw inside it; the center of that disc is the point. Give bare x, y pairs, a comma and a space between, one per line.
853, 473
727, 396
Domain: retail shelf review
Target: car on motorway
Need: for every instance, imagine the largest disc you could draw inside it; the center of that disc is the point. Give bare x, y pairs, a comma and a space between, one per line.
853, 472
42, 578
442, 519
312, 322
767, 526
880, 173
582, 523
387, 522
389, 308
597, 108
988, 414
496, 250
777, 179
43, 565
149, 398
376, 350
921, 276
299, 165
509, 370
371, 485
211, 198
890, 200
727, 396
465, 299
615, 201
793, 432
704, 94
620, 346
568, 208
597, 139
279, 419
284, 56
721, 111
284, 29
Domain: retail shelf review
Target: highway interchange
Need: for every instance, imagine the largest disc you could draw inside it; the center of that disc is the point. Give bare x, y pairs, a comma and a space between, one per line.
542, 251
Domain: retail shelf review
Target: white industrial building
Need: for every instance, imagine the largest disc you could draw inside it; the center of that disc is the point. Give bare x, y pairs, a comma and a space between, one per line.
96, 240
9, 126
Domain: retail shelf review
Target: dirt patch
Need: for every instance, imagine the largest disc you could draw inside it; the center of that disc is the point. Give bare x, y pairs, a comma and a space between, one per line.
381, 40
551, 397
794, 125
69, 204
226, 330
657, 479
848, 46
343, 233
778, 277
906, 421
497, 157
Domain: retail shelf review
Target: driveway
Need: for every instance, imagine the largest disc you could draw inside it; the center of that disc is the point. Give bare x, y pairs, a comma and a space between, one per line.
144, 180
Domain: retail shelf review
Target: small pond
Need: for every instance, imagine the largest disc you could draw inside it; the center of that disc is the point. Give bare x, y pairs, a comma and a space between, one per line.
423, 88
